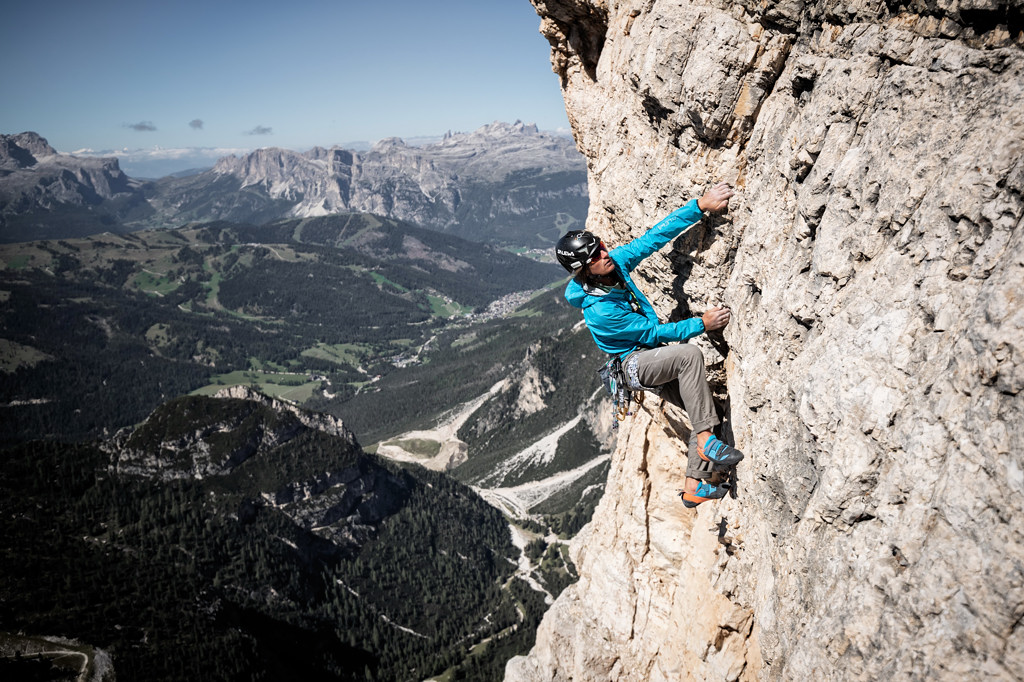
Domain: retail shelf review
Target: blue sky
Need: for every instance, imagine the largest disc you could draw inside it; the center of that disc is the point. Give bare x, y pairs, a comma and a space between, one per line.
115, 75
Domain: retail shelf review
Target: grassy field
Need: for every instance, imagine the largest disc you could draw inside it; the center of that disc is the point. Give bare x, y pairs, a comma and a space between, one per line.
564, 221
421, 447
153, 283
346, 354
14, 355
158, 335
212, 287
442, 308
295, 388
381, 280
17, 261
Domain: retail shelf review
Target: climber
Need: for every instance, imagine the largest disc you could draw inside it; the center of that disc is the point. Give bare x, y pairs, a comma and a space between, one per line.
625, 325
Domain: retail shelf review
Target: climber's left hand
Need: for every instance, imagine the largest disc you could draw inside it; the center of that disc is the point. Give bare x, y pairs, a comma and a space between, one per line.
716, 318
716, 199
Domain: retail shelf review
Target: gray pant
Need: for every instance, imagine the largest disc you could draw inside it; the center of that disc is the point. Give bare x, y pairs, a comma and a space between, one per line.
677, 372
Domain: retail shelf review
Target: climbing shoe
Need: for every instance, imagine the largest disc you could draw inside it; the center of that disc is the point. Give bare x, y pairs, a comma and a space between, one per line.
717, 452
705, 491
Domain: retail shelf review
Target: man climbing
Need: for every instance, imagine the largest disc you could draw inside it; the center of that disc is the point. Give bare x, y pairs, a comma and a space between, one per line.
624, 324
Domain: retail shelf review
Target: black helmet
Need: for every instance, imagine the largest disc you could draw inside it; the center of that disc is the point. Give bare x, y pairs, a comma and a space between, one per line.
576, 248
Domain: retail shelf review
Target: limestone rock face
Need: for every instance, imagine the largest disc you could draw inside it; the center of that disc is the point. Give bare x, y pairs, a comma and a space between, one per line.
873, 258
34, 176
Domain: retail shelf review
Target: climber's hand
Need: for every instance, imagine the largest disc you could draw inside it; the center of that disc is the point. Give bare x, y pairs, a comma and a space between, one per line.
716, 318
716, 199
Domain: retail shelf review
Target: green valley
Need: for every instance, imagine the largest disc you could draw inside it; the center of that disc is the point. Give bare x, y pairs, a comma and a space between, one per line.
130, 320
244, 520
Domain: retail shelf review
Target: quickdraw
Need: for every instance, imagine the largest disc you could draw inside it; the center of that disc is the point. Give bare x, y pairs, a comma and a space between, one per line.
622, 405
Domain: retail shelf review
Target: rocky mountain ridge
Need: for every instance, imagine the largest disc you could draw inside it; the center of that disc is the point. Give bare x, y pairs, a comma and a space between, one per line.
471, 184
35, 178
535, 444
502, 182
49, 177
196, 438
161, 448
873, 259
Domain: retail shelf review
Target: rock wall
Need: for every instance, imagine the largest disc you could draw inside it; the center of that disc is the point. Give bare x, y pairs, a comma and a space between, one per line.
33, 175
874, 261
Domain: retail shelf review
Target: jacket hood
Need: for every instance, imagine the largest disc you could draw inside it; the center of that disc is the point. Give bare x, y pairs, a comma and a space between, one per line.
575, 294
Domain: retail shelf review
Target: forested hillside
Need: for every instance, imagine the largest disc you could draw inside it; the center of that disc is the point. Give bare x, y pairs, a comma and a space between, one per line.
372, 571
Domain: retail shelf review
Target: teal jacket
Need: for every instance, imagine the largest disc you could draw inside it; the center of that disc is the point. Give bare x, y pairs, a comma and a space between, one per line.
623, 320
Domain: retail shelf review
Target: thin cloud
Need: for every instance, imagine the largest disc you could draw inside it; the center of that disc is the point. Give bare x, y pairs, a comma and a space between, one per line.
162, 153
196, 124
260, 130
141, 126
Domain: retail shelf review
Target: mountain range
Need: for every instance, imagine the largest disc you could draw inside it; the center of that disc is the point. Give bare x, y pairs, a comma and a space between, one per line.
422, 343
506, 183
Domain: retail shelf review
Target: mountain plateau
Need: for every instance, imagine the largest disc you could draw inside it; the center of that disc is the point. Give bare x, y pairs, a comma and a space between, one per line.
46, 194
503, 182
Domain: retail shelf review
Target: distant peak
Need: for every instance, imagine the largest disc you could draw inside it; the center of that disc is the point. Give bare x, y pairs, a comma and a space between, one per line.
528, 128
23, 150
33, 142
273, 151
390, 142
502, 128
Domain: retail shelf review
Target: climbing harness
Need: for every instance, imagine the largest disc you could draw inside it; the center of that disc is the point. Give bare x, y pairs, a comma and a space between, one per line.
622, 389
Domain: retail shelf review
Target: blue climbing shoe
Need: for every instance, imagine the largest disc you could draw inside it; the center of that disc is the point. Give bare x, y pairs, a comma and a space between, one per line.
717, 452
705, 491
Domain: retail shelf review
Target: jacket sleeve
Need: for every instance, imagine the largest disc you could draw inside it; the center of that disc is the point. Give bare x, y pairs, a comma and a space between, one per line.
623, 327
658, 236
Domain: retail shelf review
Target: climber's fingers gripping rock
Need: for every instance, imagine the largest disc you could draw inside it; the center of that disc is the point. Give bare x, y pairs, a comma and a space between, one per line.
716, 318
716, 199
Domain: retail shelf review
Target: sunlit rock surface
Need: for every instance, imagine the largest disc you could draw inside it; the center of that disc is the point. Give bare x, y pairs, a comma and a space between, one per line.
874, 262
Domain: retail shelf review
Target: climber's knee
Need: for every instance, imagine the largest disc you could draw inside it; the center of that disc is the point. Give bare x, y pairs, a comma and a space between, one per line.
690, 356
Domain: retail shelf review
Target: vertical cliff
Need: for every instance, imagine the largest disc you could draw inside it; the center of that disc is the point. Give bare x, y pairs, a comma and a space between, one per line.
874, 261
